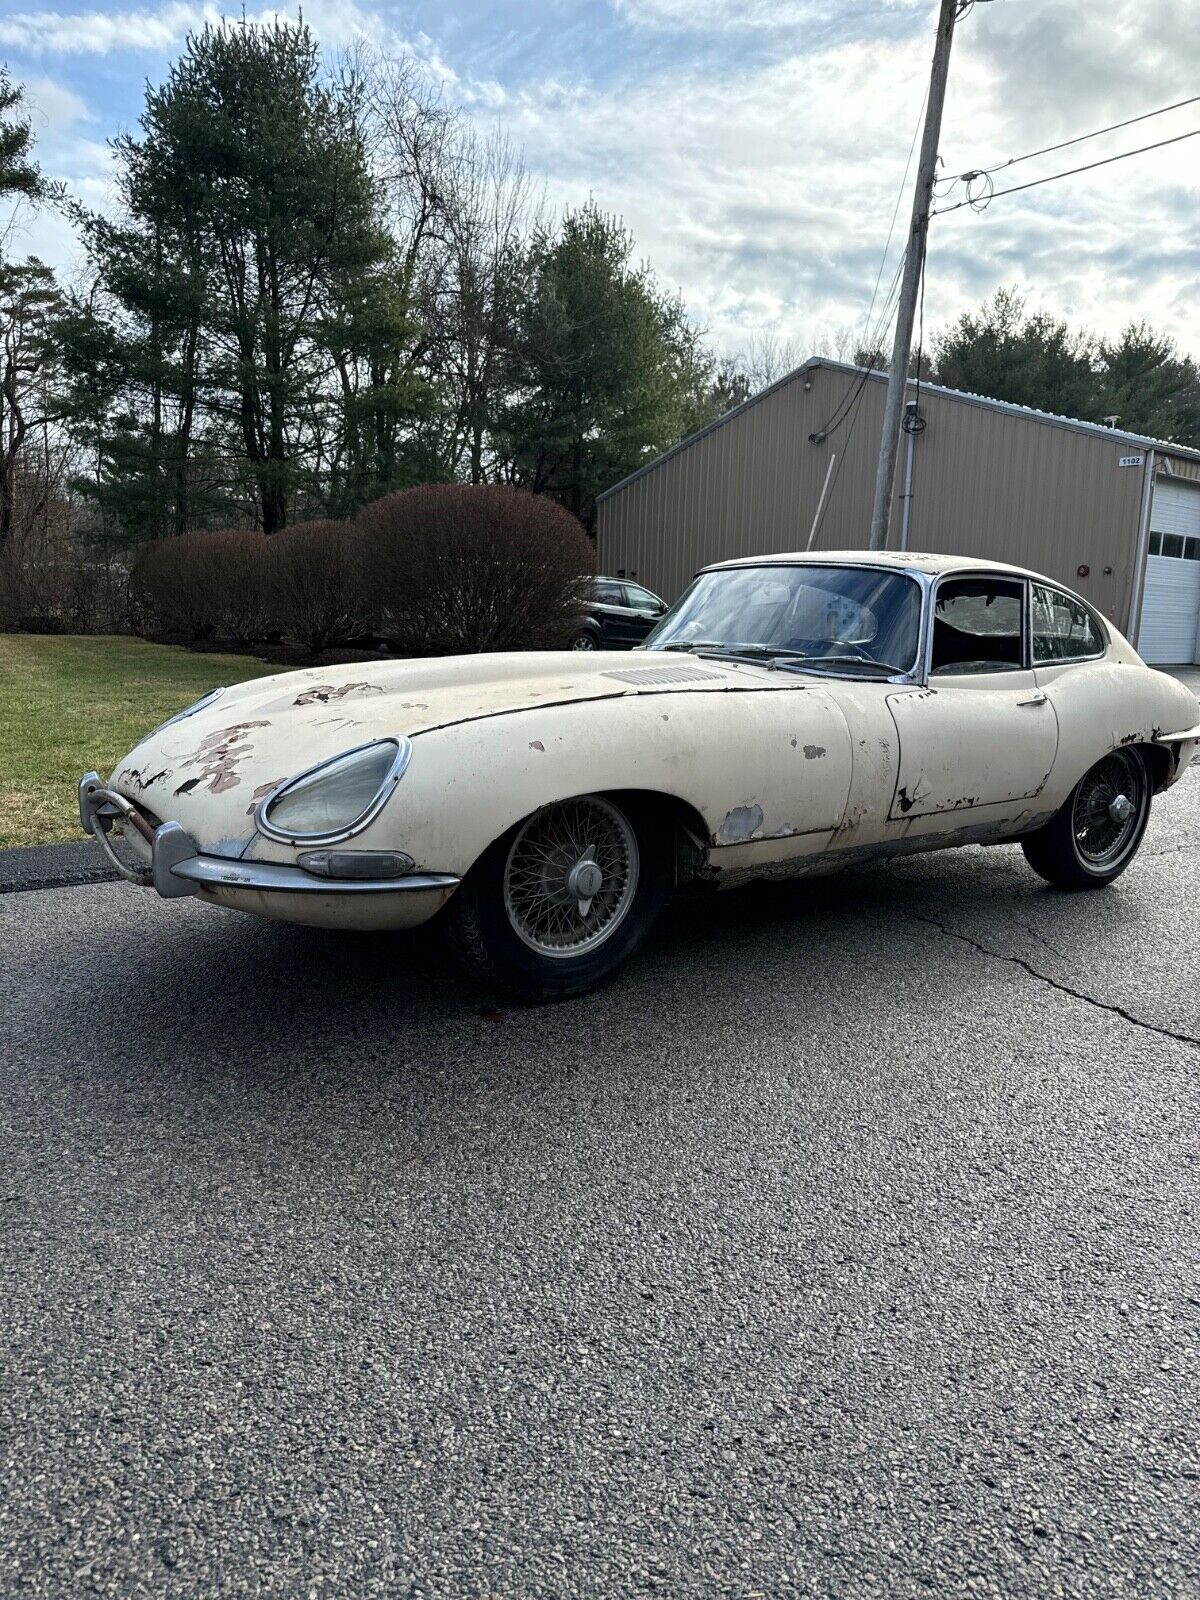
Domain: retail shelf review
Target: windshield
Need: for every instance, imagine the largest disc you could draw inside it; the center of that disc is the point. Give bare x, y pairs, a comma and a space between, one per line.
843, 616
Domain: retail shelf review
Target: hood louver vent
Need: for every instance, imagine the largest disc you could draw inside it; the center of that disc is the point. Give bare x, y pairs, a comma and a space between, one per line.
665, 675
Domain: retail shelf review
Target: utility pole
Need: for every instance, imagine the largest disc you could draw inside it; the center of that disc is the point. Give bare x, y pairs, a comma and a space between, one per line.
914, 262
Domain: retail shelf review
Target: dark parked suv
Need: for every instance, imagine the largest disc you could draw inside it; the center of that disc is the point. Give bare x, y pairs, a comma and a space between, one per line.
619, 615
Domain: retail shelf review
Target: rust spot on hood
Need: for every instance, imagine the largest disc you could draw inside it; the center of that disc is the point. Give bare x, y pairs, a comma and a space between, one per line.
261, 793
133, 777
218, 756
322, 693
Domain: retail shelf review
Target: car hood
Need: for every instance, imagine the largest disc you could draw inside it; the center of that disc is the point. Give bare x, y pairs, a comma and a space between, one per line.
209, 770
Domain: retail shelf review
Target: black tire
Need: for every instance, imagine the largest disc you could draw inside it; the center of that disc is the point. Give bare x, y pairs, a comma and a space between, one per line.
585, 639
482, 922
1084, 845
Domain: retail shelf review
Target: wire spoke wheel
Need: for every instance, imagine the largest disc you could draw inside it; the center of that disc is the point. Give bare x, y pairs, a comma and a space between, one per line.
1107, 814
571, 876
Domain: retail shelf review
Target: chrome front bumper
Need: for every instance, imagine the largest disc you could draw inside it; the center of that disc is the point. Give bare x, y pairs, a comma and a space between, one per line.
177, 868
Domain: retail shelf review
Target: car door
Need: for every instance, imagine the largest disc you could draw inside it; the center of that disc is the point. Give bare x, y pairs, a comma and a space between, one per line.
980, 732
612, 614
645, 608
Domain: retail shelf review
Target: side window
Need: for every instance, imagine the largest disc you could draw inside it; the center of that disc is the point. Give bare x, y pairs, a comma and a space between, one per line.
610, 594
977, 626
641, 599
1062, 629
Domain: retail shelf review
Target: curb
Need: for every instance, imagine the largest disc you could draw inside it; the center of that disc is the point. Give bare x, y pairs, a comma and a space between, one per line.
53, 866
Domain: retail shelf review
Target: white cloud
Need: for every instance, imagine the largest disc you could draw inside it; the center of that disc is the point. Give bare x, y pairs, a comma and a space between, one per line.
738, 16
57, 33
52, 106
764, 191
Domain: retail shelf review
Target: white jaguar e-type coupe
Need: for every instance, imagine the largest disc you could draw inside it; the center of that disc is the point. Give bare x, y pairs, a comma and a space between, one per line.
789, 714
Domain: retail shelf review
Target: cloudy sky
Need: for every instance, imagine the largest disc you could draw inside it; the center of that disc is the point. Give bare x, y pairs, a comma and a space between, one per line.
754, 147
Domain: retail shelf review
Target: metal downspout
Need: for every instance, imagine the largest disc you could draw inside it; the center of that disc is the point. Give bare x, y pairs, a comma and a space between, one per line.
908, 471
1137, 589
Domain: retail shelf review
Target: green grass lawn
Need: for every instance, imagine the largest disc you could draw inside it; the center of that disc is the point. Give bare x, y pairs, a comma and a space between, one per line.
69, 704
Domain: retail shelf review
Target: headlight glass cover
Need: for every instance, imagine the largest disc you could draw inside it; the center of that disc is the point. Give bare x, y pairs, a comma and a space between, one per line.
338, 797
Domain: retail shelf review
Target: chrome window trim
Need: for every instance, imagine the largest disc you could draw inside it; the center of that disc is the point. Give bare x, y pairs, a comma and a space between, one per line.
998, 575
923, 581
383, 794
1097, 623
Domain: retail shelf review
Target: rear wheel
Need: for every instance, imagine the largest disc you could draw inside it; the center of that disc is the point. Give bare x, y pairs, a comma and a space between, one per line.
585, 639
1094, 836
557, 904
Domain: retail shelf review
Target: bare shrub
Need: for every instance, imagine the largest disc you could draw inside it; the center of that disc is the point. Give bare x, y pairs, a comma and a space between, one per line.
313, 584
451, 567
51, 583
200, 584
245, 605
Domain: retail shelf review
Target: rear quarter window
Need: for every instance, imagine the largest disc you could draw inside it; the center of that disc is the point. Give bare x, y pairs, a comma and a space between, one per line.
1062, 629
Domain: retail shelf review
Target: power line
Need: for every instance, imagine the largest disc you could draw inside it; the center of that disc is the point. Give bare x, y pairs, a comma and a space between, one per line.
887, 243
1065, 144
841, 410
853, 410
1035, 183
914, 425
855, 388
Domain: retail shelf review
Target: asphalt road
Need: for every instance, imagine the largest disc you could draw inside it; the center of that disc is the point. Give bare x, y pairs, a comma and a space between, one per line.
847, 1245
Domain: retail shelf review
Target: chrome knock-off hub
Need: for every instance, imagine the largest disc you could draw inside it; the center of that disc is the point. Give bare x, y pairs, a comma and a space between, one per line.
1120, 808
571, 876
584, 881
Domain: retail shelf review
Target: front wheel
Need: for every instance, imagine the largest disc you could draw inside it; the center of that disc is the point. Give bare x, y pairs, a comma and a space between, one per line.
556, 905
1095, 834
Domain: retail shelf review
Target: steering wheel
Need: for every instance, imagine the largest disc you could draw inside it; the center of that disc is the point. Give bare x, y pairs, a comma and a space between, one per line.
830, 647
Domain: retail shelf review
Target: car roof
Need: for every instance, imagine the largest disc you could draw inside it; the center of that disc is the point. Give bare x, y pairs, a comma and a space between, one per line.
898, 560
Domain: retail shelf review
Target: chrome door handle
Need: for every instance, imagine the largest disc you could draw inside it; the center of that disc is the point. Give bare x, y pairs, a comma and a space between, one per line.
1038, 699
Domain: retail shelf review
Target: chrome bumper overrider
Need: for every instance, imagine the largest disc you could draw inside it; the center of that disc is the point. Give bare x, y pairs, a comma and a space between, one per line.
178, 868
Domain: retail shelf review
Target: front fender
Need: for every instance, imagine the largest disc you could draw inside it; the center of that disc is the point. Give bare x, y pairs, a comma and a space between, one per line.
767, 771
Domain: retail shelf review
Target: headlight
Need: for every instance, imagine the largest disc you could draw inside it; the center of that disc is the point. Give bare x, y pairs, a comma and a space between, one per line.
189, 711
338, 797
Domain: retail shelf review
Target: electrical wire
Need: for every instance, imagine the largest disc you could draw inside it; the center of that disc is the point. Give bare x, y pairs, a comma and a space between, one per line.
915, 424
854, 410
841, 410
837, 471
887, 243
1053, 177
871, 337
1081, 138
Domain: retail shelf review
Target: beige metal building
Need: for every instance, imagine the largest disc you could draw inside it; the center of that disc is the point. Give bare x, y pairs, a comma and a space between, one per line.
1111, 514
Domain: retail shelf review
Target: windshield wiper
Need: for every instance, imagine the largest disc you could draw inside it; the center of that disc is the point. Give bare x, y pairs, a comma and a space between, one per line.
788, 656
713, 647
773, 654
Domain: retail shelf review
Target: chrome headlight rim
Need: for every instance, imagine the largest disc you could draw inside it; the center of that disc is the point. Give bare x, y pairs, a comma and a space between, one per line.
202, 704
399, 763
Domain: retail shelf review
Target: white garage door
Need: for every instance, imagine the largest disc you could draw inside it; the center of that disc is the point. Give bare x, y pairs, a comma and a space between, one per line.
1170, 631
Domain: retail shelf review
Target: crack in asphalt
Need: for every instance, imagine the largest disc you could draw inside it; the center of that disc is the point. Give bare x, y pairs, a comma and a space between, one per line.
1054, 983
1172, 850
1042, 939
